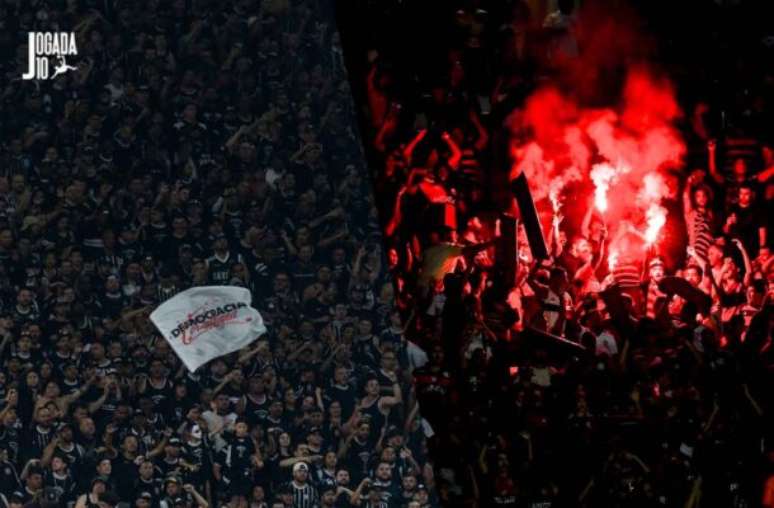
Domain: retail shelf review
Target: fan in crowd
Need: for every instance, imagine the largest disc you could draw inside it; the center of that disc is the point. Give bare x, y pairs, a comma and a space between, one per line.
196, 143
659, 393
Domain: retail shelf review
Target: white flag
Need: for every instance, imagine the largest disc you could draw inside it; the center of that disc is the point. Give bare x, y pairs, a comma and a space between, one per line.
203, 323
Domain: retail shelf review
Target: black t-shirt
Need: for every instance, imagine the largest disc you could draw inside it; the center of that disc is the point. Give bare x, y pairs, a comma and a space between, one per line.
220, 269
256, 411
159, 395
126, 474
241, 450
357, 458
346, 396
9, 478
748, 221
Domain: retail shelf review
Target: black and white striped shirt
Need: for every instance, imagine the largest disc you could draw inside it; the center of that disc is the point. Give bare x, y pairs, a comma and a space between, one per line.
699, 233
304, 496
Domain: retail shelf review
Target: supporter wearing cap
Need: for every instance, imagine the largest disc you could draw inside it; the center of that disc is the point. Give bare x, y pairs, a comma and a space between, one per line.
143, 500
173, 489
422, 496
314, 439
172, 460
304, 493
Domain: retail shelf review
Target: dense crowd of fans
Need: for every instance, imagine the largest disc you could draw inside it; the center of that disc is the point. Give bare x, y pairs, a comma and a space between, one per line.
197, 143
662, 395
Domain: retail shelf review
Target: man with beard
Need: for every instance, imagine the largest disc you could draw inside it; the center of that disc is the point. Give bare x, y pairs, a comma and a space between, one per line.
304, 494
40, 435
149, 479
63, 446
356, 451
389, 490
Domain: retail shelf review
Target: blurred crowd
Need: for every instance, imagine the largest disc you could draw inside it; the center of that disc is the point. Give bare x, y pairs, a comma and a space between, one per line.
201, 142
581, 381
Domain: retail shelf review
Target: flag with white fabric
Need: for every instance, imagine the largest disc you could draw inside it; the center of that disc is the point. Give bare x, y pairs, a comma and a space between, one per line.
204, 323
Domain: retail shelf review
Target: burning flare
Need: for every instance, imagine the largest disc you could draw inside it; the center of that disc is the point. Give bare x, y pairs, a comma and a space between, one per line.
656, 218
612, 260
602, 175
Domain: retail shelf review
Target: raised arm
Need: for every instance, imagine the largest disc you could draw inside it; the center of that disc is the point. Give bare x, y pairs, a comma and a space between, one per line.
483, 135
456, 153
712, 161
385, 403
198, 498
762, 236
409, 150
586, 222
226, 380
97, 404
687, 202
745, 259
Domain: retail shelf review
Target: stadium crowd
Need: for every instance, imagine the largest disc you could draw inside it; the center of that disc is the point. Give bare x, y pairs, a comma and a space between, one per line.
197, 143
661, 393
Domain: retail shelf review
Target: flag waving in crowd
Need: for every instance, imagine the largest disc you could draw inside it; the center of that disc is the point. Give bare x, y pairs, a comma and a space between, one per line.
204, 323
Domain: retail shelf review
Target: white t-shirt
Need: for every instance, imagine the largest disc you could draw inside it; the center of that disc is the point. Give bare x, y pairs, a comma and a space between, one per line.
606, 344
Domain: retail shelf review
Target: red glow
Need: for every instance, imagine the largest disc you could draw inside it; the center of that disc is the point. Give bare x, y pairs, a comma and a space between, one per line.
612, 260
514, 370
602, 175
621, 152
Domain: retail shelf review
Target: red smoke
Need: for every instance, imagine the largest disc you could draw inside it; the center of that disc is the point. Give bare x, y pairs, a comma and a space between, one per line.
619, 153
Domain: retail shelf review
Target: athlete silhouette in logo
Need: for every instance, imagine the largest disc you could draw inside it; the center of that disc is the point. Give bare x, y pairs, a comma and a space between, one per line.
62, 67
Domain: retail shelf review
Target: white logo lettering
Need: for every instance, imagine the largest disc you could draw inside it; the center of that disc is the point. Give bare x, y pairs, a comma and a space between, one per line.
42, 46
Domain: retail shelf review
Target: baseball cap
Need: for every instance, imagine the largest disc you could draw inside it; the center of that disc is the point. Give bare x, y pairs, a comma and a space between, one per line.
656, 262
393, 431
300, 466
172, 479
145, 495
16, 497
64, 425
174, 441
314, 430
100, 479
